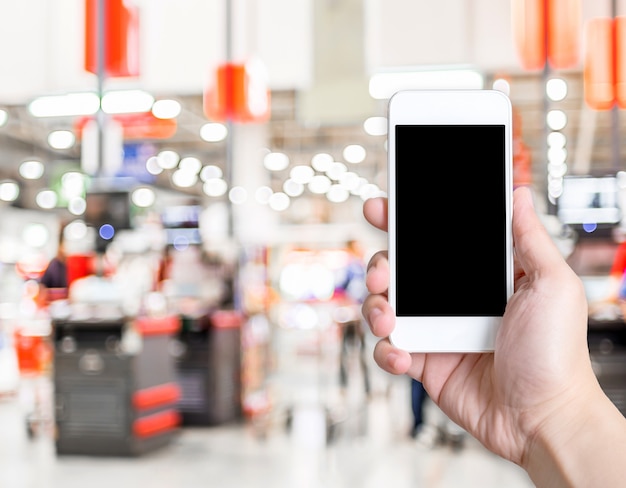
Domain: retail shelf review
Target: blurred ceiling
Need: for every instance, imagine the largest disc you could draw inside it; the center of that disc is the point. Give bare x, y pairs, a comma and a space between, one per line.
319, 54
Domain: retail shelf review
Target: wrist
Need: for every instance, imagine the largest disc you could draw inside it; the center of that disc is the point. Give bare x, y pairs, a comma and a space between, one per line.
578, 445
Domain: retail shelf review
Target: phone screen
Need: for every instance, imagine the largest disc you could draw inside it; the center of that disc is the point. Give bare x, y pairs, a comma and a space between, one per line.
450, 187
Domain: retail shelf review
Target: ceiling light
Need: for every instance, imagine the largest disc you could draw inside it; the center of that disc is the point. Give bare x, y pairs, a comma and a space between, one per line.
31, 170
556, 119
556, 89
183, 178
46, 199
319, 184
263, 194
168, 159
71, 104
321, 162
354, 153
376, 126
9, 191
337, 194
191, 164
384, 85
77, 206
502, 85
301, 174
127, 101
153, 167
211, 171
370, 190
293, 188
275, 161
556, 139
279, 201
166, 109
143, 197
214, 187
61, 139
238, 195
213, 132
336, 169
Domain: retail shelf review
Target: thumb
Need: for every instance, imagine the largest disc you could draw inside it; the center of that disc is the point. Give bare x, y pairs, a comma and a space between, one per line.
534, 248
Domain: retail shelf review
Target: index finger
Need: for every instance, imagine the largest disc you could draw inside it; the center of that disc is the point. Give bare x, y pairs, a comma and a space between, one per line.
375, 212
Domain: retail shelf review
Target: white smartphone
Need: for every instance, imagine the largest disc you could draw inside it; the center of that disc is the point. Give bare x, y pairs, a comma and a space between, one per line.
450, 211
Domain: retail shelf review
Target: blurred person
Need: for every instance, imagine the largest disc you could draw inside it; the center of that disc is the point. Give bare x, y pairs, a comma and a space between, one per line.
435, 430
350, 292
53, 282
418, 399
535, 400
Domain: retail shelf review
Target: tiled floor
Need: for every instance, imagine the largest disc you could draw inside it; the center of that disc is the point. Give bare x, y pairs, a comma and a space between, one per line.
317, 435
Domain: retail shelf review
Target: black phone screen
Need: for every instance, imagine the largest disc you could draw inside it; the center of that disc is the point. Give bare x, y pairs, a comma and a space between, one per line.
450, 217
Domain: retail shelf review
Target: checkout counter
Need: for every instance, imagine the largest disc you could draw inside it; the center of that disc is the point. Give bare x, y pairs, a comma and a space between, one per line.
591, 260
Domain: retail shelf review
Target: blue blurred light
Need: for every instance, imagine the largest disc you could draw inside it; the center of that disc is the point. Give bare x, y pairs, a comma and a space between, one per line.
107, 231
590, 227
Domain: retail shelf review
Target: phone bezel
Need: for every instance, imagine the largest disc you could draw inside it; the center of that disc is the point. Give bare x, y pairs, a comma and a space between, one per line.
448, 107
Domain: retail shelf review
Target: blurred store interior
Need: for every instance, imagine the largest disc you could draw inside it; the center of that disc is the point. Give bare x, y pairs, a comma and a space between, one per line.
200, 168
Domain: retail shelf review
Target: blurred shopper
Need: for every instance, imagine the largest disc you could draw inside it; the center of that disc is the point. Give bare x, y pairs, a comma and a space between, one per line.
436, 429
418, 398
536, 400
349, 295
53, 283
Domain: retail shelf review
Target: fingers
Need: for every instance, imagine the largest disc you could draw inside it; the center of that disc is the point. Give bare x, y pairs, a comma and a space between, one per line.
391, 359
375, 212
377, 278
379, 315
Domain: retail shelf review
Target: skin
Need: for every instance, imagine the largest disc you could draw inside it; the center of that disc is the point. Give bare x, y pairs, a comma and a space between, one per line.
536, 400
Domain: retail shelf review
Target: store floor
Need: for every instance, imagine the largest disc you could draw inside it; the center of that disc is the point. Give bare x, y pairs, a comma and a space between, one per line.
317, 435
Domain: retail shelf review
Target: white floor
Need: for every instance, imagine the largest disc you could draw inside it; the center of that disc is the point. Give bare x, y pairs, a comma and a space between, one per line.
316, 436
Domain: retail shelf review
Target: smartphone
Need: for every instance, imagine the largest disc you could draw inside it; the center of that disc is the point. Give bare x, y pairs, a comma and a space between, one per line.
450, 211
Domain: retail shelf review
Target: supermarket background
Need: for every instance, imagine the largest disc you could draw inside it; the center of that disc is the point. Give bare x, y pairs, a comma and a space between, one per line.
204, 165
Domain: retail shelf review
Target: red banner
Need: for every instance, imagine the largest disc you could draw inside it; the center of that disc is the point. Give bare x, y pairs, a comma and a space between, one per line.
121, 38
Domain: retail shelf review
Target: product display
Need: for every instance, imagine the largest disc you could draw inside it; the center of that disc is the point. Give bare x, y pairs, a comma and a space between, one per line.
115, 386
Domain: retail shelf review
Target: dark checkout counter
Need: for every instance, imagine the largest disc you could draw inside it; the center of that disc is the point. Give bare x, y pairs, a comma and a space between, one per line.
607, 347
115, 388
606, 335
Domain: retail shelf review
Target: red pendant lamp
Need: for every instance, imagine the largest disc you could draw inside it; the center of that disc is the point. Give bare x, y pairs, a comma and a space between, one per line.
599, 63
547, 31
620, 60
120, 36
237, 92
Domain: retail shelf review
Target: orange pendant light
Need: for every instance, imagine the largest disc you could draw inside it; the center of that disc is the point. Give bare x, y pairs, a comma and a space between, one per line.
620, 60
547, 30
237, 92
599, 63
564, 32
529, 27
120, 36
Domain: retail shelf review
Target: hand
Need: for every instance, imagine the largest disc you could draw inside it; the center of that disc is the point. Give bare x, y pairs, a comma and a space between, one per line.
540, 370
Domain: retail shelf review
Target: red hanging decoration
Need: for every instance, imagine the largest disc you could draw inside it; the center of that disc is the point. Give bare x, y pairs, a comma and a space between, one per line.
547, 31
599, 64
121, 38
564, 32
529, 27
239, 93
620, 60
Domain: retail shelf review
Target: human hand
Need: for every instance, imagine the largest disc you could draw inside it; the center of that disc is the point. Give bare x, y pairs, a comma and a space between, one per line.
541, 367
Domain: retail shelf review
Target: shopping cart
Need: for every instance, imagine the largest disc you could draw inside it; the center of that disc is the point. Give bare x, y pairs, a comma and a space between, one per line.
34, 357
